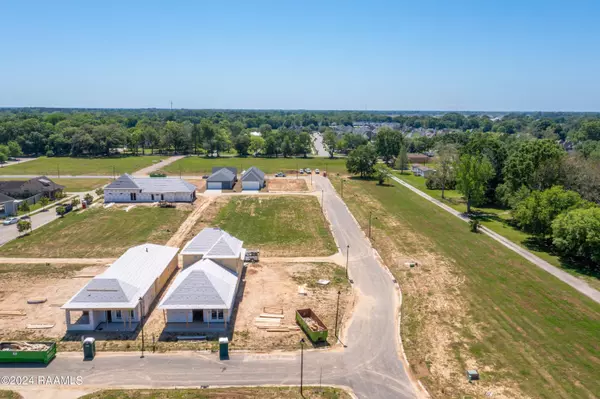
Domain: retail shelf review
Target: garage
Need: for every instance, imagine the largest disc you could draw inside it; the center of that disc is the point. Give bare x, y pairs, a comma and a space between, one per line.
214, 185
253, 179
222, 178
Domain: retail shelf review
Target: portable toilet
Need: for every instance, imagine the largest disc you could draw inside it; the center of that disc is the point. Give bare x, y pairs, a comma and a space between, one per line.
223, 348
89, 348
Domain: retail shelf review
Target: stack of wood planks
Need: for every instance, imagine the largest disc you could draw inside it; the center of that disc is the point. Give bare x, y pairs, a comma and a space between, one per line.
271, 322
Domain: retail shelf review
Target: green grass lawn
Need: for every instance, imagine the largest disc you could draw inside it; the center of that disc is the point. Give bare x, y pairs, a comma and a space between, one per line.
79, 185
500, 221
278, 226
523, 329
202, 165
80, 166
223, 393
98, 233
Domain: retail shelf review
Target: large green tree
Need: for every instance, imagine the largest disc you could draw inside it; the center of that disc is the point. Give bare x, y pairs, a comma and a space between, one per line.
387, 143
577, 233
472, 175
402, 159
536, 213
447, 156
330, 142
362, 160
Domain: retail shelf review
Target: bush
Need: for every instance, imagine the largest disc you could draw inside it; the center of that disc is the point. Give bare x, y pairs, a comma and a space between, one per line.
577, 233
24, 207
99, 191
474, 225
158, 174
88, 198
49, 153
433, 182
23, 225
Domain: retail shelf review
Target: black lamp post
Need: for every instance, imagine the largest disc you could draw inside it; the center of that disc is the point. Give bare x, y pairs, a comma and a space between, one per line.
347, 257
337, 310
301, 364
142, 322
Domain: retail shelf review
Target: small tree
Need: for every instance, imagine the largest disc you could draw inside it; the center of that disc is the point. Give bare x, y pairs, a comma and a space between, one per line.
24, 207
23, 225
61, 210
402, 159
382, 172
99, 191
44, 201
474, 225
362, 161
88, 198
75, 201
472, 175
59, 195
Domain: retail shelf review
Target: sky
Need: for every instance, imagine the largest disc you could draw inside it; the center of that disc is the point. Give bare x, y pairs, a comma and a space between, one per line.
458, 55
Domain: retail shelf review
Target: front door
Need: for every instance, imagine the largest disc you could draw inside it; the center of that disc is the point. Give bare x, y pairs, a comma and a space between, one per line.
108, 316
198, 315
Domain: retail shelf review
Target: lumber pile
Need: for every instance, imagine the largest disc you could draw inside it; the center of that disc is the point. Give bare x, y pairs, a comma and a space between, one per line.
39, 326
34, 301
271, 322
12, 313
23, 346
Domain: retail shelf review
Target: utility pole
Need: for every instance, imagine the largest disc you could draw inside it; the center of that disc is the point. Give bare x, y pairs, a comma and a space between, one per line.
337, 310
58, 169
322, 198
342, 188
347, 257
301, 365
141, 301
370, 216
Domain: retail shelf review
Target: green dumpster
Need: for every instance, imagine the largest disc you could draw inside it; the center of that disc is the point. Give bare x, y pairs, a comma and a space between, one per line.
223, 348
312, 325
27, 352
89, 348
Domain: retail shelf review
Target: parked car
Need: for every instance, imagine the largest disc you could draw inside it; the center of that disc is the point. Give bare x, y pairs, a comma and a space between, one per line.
25, 217
280, 174
10, 221
301, 171
307, 170
205, 177
317, 171
68, 208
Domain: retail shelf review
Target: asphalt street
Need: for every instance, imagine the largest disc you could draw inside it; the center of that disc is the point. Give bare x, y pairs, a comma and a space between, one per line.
369, 364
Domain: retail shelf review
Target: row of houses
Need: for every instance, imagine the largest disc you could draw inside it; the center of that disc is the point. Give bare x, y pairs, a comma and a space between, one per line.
128, 188
15, 192
201, 296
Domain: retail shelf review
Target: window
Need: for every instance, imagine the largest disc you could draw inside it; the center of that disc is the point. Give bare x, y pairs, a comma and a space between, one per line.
131, 314
118, 315
217, 315
152, 196
162, 197
132, 196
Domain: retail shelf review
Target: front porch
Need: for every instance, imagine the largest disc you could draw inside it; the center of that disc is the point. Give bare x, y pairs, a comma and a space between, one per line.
195, 326
107, 320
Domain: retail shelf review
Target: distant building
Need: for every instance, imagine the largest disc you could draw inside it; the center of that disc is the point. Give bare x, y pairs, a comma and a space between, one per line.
418, 158
423, 171
23, 189
149, 189
222, 178
253, 179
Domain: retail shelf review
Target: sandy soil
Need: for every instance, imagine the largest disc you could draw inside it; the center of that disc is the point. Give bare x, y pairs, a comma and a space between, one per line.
274, 286
17, 288
199, 183
279, 184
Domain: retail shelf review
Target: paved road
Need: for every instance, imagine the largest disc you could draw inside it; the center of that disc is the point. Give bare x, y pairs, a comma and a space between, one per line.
565, 277
319, 147
370, 364
157, 166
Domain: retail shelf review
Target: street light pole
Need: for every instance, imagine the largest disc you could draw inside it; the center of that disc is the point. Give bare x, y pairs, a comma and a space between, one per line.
342, 188
322, 198
141, 301
347, 257
301, 365
337, 313
370, 216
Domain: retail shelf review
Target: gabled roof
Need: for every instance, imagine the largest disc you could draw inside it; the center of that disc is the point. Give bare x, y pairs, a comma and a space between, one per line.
232, 169
152, 184
5, 198
44, 183
213, 243
124, 181
205, 284
253, 174
126, 280
222, 175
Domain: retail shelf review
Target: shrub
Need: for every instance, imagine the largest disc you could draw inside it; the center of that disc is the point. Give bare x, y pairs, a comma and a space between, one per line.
433, 182
24, 207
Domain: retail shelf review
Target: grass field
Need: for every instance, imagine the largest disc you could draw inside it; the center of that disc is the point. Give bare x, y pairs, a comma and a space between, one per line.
80, 185
202, 165
5, 394
80, 166
472, 303
223, 393
278, 226
499, 220
101, 233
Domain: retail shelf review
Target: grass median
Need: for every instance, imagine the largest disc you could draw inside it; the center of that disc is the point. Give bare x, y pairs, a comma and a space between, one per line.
471, 303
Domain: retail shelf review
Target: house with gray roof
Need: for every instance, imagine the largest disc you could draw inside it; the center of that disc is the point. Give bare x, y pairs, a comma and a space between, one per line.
253, 179
24, 189
222, 178
128, 188
203, 295
117, 299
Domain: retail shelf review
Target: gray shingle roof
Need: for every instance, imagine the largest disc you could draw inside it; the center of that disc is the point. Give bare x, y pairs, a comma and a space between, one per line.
205, 284
5, 198
152, 184
222, 175
253, 174
128, 278
214, 243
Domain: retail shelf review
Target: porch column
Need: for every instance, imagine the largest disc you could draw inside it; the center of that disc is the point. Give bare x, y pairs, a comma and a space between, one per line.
68, 317
187, 313
124, 318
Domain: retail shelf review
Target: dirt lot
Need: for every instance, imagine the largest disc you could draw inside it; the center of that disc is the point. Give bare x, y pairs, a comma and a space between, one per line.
199, 183
286, 185
58, 285
276, 286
